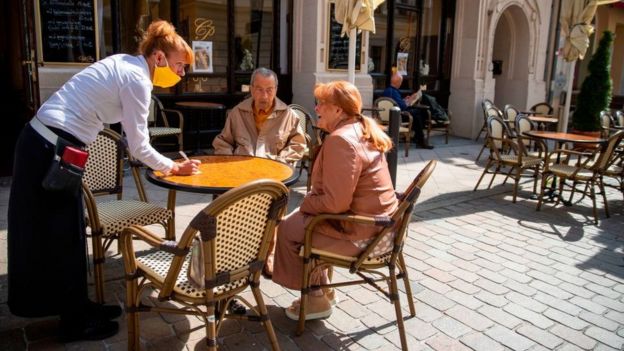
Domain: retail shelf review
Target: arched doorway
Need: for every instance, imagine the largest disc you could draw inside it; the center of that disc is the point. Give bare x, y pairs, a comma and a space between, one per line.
510, 58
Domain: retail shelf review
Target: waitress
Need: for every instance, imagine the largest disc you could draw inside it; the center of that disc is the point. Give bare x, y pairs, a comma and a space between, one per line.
47, 266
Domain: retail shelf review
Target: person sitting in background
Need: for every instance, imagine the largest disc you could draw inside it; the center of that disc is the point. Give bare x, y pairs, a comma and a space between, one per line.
262, 125
350, 175
407, 104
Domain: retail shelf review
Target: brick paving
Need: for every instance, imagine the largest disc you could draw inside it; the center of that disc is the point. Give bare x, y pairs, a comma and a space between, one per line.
486, 275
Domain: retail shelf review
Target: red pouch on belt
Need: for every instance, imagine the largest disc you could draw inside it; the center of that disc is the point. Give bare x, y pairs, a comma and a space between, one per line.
75, 156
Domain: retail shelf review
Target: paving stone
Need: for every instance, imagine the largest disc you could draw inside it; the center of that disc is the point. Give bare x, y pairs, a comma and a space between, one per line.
435, 300
603, 347
491, 287
609, 303
611, 293
540, 336
521, 288
465, 273
464, 287
427, 313
480, 342
573, 336
525, 314
605, 337
525, 301
569, 347
509, 338
499, 316
451, 327
469, 317
588, 305
444, 343
463, 299
594, 278
439, 275
615, 316
559, 304
550, 289
599, 320
546, 278
491, 299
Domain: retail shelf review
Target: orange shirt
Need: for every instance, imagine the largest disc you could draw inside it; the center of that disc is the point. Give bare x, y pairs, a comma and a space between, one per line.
260, 116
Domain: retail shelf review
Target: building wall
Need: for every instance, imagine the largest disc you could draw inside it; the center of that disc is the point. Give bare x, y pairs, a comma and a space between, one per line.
474, 48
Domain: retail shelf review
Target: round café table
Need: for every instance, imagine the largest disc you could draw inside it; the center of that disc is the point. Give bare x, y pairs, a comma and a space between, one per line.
560, 138
220, 173
205, 118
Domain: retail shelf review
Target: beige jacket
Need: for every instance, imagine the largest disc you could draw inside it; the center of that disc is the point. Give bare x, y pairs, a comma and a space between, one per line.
349, 176
281, 136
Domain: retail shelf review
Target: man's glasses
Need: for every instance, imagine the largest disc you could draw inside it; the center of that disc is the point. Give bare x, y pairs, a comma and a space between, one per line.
269, 91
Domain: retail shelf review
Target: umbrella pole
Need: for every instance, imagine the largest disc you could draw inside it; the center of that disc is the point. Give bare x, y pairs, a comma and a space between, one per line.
563, 122
351, 67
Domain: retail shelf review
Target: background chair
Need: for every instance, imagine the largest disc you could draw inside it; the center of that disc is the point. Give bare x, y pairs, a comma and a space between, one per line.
584, 171
313, 140
368, 265
619, 118
606, 122
510, 113
499, 142
433, 125
384, 104
542, 108
159, 123
485, 104
234, 232
489, 110
106, 219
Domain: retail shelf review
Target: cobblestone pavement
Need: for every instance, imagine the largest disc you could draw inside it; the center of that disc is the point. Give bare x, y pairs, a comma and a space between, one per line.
486, 274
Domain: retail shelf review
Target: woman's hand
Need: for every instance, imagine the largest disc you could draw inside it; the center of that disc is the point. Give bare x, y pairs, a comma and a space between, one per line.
187, 167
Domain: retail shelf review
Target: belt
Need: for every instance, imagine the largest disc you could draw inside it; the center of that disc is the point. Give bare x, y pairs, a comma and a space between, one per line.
44, 131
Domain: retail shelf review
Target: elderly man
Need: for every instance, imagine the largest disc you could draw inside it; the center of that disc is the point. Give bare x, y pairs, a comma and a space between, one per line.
262, 125
406, 104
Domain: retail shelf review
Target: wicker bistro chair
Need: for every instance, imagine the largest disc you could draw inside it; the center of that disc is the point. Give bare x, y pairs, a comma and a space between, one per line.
234, 232
313, 140
106, 219
159, 123
368, 264
511, 113
619, 118
499, 142
384, 104
433, 125
489, 109
485, 104
606, 122
524, 124
542, 108
585, 171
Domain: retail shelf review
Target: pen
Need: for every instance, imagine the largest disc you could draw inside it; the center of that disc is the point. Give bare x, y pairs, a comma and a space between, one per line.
184, 155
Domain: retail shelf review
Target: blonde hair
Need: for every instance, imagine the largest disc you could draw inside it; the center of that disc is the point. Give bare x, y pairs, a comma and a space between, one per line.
346, 96
161, 35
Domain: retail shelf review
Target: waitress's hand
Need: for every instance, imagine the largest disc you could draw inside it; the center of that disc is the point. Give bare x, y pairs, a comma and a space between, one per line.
187, 167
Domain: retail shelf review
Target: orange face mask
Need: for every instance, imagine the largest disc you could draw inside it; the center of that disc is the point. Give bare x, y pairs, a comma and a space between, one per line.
165, 77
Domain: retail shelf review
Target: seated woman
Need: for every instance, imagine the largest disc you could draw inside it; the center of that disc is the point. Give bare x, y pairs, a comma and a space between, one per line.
350, 175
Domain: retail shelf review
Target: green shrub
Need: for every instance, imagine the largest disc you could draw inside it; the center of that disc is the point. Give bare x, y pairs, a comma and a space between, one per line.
595, 95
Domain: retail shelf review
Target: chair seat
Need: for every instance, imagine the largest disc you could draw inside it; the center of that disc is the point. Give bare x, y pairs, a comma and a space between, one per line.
527, 161
117, 215
369, 261
402, 129
156, 266
567, 171
163, 131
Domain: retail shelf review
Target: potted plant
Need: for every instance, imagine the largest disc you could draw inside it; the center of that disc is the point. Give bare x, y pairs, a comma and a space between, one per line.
595, 95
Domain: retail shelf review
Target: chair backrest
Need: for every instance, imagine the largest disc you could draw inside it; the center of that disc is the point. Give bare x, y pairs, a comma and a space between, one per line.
307, 121
104, 168
619, 118
401, 217
157, 116
510, 113
497, 131
235, 231
542, 108
524, 124
485, 104
606, 152
384, 104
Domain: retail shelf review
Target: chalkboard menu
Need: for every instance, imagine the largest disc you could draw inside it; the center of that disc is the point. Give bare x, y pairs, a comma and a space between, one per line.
68, 31
338, 47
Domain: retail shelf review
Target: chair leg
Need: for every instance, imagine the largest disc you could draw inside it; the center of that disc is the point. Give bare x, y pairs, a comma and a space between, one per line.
483, 127
604, 196
132, 315
211, 329
305, 290
480, 152
407, 145
394, 293
498, 167
593, 197
516, 181
98, 260
540, 198
487, 166
264, 315
408, 286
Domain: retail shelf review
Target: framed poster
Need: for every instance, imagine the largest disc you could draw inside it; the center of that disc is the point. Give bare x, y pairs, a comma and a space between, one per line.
203, 56
402, 63
67, 31
338, 47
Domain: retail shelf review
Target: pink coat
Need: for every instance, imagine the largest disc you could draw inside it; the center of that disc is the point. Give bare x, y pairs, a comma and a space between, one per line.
349, 176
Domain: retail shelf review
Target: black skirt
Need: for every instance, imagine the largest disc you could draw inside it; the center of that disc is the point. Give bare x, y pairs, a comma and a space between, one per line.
46, 236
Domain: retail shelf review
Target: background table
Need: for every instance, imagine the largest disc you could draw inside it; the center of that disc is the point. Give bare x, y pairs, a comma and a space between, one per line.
220, 173
203, 118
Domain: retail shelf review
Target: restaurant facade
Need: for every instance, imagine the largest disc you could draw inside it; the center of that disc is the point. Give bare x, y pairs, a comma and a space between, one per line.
463, 50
